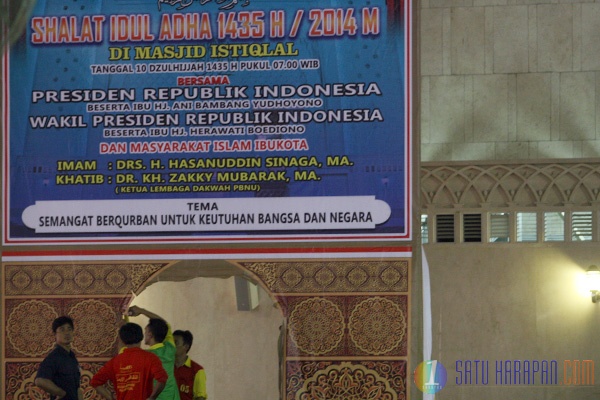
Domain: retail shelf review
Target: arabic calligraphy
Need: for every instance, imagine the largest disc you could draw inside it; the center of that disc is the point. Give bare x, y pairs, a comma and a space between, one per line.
231, 4
181, 4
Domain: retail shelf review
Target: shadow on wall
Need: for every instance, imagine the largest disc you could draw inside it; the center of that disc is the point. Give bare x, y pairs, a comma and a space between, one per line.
238, 349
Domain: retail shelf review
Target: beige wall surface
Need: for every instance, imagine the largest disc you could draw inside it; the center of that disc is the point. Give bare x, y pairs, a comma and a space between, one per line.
238, 349
509, 79
512, 303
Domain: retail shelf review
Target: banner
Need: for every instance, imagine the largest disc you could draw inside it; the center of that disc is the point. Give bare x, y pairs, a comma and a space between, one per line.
201, 120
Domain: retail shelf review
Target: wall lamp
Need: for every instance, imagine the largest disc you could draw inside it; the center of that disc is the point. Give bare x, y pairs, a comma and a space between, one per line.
593, 280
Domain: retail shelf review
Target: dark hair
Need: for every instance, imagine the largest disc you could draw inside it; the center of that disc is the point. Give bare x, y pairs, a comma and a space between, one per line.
131, 333
159, 329
60, 321
186, 336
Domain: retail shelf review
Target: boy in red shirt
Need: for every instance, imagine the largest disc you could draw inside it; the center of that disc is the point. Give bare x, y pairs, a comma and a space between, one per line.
190, 375
133, 371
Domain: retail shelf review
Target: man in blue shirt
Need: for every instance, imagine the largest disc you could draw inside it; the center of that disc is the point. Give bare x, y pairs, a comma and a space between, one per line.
59, 374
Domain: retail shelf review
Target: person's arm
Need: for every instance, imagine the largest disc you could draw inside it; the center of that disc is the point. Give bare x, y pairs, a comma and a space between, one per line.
199, 389
100, 378
134, 311
48, 386
104, 392
158, 387
160, 376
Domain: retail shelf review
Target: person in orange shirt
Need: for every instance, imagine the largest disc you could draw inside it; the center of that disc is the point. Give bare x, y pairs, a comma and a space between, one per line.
190, 375
133, 371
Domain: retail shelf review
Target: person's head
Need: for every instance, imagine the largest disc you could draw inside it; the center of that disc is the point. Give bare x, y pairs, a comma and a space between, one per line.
156, 331
131, 333
63, 327
183, 341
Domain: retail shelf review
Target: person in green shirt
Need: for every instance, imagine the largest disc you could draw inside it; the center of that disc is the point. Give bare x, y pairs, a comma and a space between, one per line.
159, 337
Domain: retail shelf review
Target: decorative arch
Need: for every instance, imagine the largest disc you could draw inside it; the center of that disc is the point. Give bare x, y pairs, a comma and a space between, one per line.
347, 325
337, 315
465, 185
93, 293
